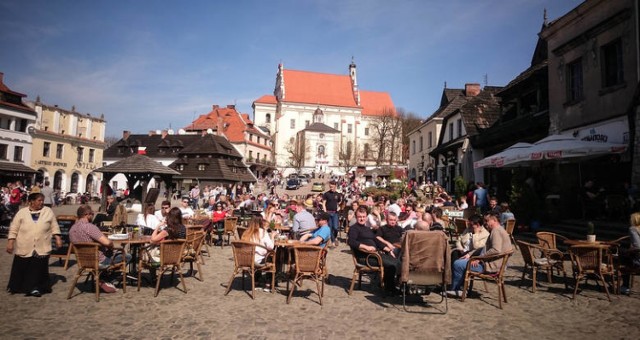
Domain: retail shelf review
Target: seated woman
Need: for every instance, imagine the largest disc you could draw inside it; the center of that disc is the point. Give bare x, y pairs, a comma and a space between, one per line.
256, 233
374, 218
148, 219
472, 239
633, 257
271, 214
174, 229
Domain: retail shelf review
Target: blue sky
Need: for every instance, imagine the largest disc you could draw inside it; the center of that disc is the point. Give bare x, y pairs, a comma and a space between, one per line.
148, 65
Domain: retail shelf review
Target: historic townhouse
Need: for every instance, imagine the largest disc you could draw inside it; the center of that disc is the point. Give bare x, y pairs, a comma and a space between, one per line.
15, 141
67, 147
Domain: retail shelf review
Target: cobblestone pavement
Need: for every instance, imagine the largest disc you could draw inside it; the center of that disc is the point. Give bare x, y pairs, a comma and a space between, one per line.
205, 312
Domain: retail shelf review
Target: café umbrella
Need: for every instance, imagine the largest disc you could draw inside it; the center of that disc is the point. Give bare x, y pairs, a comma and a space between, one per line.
497, 160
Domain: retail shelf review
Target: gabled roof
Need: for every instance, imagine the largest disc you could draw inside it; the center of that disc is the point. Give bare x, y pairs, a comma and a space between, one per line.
320, 127
137, 164
481, 111
267, 99
215, 169
318, 88
233, 124
542, 67
376, 103
12, 99
209, 144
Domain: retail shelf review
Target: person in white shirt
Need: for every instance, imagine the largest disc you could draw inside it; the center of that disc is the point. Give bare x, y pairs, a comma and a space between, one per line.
162, 213
186, 210
148, 220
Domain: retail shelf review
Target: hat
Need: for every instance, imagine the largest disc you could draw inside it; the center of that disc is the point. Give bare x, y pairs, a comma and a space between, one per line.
308, 203
323, 216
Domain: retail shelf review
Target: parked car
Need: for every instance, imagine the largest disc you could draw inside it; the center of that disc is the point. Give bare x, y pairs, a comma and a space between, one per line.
293, 184
317, 186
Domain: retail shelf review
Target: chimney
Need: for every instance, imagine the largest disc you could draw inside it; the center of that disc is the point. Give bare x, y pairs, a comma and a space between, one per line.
232, 107
219, 126
215, 107
471, 89
126, 134
164, 133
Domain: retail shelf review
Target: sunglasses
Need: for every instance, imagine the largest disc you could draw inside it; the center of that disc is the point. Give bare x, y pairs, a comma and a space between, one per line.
165, 208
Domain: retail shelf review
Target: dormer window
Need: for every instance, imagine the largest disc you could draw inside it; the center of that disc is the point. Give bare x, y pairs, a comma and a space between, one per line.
201, 167
318, 116
180, 167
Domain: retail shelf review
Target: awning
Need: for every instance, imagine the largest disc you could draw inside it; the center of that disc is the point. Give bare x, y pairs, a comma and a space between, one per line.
15, 169
498, 159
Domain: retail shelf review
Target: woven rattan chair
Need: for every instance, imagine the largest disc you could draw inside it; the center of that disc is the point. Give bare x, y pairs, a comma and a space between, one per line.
461, 226
595, 260
308, 265
192, 252
549, 240
497, 277
536, 257
230, 224
366, 268
623, 254
88, 256
171, 252
244, 261
510, 227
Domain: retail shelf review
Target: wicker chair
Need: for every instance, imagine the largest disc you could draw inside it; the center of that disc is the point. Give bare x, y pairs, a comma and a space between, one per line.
497, 277
549, 240
509, 227
308, 265
230, 224
592, 259
366, 268
461, 226
547, 260
243, 256
192, 252
88, 256
171, 252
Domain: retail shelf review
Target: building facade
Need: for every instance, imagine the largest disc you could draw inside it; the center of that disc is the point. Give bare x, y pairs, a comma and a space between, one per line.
15, 141
67, 147
252, 142
358, 116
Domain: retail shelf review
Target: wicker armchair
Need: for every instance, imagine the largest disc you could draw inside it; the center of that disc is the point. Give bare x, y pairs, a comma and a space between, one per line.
88, 256
308, 265
497, 277
509, 227
171, 252
243, 257
592, 259
230, 224
366, 268
461, 226
549, 240
543, 259
192, 252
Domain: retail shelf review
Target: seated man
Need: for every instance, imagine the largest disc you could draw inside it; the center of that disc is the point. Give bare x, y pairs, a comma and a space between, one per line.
362, 240
391, 234
164, 210
498, 242
320, 236
303, 220
85, 231
185, 208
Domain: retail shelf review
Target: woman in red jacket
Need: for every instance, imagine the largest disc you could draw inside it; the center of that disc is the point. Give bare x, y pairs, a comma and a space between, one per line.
217, 217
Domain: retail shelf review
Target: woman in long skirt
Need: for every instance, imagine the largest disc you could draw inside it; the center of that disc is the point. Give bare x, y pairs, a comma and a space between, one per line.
29, 237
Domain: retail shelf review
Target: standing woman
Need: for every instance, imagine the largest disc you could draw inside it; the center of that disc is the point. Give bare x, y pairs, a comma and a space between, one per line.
29, 240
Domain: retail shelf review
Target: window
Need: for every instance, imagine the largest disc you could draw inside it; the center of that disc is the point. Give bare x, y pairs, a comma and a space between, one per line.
574, 81
413, 147
92, 155
80, 154
46, 149
201, 167
258, 139
250, 154
450, 131
17, 154
349, 128
22, 125
250, 137
180, 167
3, 151
349, 147
293, 123
421, 143
258, 156
366, 131
430, 139
612, 71
306, 123
335, 126
267, 118
366, 149
59, 148
459, 127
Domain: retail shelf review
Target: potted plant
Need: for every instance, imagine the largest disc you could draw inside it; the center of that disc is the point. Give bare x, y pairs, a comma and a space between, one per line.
591, 235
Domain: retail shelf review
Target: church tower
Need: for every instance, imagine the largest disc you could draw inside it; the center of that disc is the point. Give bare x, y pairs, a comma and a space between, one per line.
354, 81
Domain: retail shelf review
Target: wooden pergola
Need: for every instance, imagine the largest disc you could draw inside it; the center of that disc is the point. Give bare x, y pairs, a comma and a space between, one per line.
136, 168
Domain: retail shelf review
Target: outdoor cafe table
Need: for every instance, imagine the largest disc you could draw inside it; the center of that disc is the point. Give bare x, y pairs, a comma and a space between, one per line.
135, 242
284, 256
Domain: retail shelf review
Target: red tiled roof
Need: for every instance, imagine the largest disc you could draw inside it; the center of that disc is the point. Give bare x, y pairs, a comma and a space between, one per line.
236, 123
266, 99
318, 88
376, 103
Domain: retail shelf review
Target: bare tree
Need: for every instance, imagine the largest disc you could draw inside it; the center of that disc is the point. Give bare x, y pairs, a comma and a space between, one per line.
110, 140
384, 134
410, 121
348, 156
297, 152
